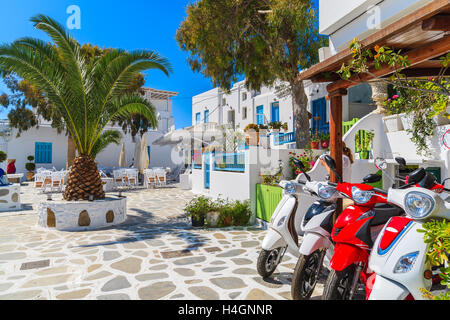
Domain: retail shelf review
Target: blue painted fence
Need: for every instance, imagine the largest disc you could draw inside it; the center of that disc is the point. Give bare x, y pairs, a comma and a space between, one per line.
282, 138
229, 162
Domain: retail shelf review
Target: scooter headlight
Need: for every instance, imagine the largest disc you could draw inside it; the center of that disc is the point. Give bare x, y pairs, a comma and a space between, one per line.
326, 192
289, 187
418, 204
361, 196
406, 262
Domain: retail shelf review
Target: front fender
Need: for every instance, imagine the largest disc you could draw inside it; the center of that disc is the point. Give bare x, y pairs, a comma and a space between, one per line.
272, 240
312, 242
385, 289
345, 255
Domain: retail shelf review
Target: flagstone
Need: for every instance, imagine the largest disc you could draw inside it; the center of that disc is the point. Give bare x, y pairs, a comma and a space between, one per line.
110, 255
190, 260
129, 265
5, 286
156, 290
231, 253
242, 261
204, 293
78, 294
258, 294
22, 295
114, 296
47, 281
98, 275
13, 256
152, 276
119, 282
228, 282
59, 269
184, 272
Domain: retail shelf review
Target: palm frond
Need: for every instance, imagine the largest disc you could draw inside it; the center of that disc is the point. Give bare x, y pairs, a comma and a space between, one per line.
106, 138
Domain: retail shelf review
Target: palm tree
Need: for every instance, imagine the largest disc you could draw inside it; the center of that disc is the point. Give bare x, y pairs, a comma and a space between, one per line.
89, 95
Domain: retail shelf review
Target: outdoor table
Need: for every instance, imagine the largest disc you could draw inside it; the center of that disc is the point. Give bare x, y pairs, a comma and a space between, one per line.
14, 178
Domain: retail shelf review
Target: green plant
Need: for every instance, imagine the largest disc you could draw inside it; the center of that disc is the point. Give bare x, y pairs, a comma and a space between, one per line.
3, 156
437, 236
88, 94
198, 207
241, 212
276, 125
251, 126
307, 158
285, 126
324, 136
30, 166
263, 127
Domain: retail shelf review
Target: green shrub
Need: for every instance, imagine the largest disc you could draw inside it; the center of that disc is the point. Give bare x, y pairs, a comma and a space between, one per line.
198, 207
437, 235
3, 156
30, 166
241, 213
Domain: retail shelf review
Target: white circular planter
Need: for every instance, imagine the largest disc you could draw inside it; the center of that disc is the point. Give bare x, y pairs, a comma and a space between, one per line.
10, 197
82, 215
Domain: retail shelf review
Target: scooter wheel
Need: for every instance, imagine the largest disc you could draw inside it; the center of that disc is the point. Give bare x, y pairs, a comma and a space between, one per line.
306, 274
267, 262
338, 284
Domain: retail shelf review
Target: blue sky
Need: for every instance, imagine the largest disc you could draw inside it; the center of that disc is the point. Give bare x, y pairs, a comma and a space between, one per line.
132, 24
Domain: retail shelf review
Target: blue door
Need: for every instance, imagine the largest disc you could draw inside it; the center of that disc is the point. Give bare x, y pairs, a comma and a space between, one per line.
275, 112
319, 116
260, 115
207, 166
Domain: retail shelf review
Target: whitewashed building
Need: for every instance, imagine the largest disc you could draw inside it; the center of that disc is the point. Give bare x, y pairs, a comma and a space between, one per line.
50, 148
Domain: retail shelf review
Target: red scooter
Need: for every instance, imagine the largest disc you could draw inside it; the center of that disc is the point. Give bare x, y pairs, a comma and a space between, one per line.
353, 233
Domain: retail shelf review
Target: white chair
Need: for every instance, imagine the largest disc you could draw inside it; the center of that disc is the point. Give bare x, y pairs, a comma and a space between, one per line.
57, 180
161, 176
118, 178
39, 181
131, 177
149, 178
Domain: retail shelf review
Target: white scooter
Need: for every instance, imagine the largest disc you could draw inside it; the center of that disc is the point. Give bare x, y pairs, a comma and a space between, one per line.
282, 232
398, 257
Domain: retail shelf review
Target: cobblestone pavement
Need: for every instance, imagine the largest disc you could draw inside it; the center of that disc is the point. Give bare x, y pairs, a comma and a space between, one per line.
155, 254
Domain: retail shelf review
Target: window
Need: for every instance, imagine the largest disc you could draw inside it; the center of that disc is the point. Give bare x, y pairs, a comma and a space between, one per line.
260, 115
206, 117
275, 111
244, 113
43, 152
197, 118
224, 101
244, 96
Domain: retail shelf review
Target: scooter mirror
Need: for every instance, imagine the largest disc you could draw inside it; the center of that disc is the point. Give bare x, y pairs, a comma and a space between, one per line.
401, 161
299, 164
372, 178
381, 164
417, 175
330, 162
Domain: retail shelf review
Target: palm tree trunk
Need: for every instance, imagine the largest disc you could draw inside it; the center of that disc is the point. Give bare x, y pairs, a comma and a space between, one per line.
300, 108
71, 151
84, 180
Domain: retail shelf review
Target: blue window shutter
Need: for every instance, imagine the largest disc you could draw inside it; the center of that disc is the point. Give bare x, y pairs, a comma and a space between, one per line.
197, 118
43, 152
275, 111
206, 116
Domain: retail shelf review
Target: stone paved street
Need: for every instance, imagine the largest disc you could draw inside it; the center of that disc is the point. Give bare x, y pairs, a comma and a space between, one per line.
155, 254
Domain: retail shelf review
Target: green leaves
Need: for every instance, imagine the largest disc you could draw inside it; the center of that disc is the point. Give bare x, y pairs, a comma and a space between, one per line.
86, 93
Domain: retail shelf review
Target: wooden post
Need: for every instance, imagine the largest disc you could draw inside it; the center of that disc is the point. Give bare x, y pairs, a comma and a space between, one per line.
335, 98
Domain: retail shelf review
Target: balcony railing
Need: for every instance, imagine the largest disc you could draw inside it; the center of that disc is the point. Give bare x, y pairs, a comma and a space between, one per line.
282, 138
230, 162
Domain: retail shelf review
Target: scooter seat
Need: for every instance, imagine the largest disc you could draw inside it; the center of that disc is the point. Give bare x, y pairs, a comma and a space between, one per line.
383, 212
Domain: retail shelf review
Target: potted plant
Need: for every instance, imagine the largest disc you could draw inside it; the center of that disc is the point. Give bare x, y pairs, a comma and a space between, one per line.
3, 156
285, 126
30, 166
315, 140
252, 134
197, 209
324, 140
241, 213
276, 125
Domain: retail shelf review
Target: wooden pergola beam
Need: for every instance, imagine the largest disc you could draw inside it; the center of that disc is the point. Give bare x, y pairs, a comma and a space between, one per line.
416, 56
440, 22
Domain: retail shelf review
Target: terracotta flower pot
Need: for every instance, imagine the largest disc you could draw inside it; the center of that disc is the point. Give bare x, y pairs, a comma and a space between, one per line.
324, 144
198, 221
315, 145
252, 138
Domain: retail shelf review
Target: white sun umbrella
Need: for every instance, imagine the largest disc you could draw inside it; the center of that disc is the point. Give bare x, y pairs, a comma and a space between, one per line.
143, 161
137, 152
123, 158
